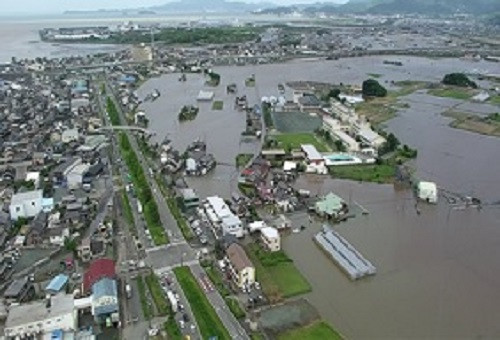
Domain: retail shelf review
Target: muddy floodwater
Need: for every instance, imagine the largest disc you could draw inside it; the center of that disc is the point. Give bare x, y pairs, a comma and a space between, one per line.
438, 272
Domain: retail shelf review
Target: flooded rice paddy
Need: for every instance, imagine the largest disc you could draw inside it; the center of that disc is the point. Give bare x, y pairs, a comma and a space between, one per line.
438, 271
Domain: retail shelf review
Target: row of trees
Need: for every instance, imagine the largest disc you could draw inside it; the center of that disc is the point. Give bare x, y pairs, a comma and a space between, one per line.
143, 190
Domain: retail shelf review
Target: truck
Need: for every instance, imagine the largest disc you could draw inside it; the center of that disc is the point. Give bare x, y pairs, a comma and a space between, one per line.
172, 300
128, 291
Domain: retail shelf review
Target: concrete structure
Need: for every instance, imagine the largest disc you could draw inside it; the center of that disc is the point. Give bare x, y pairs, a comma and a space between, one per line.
270, 238
427, 191
312, 155
41, 317
344, 254
241, 268
331, 206
26, 204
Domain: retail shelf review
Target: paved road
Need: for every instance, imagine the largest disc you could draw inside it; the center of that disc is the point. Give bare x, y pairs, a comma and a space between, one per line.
190, 327
178, 252
232, 325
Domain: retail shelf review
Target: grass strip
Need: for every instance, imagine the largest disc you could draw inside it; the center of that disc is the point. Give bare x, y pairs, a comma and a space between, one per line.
208, 321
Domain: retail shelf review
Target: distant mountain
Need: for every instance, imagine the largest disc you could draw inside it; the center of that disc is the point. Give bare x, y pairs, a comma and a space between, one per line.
194, 6
427, 7
437, 7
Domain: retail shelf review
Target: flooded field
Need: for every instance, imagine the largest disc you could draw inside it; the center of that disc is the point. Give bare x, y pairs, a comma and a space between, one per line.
438, 272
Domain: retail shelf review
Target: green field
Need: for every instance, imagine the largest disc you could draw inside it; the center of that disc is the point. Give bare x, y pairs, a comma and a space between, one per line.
453, 92
147, 309
317, 331
156, 292
218, 105
277, 274
235, 308
129, 217
383, 173
292, 141
209, 323
242, 159
495, 100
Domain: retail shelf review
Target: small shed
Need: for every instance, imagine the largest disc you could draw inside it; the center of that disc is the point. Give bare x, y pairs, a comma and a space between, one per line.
57, 284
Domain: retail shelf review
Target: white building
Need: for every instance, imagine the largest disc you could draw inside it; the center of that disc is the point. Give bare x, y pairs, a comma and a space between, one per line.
427, 191
75, 176
41, 317
26, 204
370, 137
231, 225
271, 238
35, 177
221, 216
70, 135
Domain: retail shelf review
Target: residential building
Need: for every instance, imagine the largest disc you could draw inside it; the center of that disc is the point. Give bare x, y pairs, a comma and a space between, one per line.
222, 217
331, 206
241, 268
270, 238
40, 318
189, 198
26, 204
104, 299
70, 135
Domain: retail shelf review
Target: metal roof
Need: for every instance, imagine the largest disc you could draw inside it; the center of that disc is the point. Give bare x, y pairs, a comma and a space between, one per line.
57, 283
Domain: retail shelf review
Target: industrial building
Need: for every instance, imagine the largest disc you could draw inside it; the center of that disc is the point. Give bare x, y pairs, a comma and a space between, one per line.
344, 254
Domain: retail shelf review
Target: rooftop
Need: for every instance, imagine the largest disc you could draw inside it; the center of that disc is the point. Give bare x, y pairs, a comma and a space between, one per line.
270, 232
238, 257
98, 269
57, 283
38, 311
22, 197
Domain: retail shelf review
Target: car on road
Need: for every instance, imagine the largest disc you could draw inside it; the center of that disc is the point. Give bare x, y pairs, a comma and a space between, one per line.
185, 317
181, 324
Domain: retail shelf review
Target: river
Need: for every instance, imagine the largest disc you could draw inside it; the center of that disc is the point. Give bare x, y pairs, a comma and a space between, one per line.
438, 271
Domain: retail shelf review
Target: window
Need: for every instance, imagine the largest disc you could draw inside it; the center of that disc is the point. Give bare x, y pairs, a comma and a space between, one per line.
33, 203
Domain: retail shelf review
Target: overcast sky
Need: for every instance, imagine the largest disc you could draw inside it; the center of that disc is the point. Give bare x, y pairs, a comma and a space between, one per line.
58, 6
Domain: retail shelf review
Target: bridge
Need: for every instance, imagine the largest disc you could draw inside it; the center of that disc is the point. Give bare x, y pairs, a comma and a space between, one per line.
126, 128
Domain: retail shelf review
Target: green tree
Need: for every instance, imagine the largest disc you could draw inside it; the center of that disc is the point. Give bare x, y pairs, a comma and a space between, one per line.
458, 79
372, 88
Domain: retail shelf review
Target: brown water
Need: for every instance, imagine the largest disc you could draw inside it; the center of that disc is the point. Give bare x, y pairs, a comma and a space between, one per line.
438, 272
